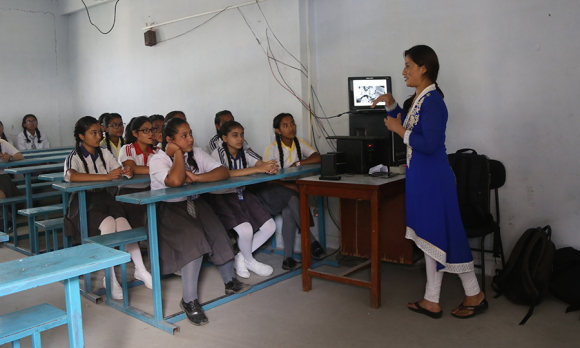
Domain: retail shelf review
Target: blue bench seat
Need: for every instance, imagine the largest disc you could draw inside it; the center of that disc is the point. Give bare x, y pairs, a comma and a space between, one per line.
118, 239
51, 227
30, 322
35, 185
3, 237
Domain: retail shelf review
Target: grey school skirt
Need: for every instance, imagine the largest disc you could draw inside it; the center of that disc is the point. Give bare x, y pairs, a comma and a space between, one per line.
8, 187
99, 205
233, 212
136, 213
274, 198
183, 238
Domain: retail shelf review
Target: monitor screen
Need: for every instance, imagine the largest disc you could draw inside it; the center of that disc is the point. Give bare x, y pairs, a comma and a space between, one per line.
362, 91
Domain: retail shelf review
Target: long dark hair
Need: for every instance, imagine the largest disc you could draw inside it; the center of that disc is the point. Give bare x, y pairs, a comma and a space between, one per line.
170, 128
81, 127
423, 55
107, 118
218, 118
134, 125
276, 124
156, 117
3, 136
24, 128
225, 130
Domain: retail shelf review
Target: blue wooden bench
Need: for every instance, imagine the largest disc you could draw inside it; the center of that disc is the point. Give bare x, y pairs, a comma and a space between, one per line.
35, 185
150, 198
30, 322
61, 148
3, 237
32, 214
12, 202
51, 228
119, 239
63, 265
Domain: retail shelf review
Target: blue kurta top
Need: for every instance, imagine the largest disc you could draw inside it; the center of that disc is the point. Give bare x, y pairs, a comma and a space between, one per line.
432, 210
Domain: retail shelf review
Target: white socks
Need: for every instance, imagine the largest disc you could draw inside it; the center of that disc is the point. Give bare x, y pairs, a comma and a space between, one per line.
249, 242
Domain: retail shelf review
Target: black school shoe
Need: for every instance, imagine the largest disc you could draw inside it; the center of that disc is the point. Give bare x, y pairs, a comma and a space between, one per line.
235, 286
316, 251
290, 264
194, 312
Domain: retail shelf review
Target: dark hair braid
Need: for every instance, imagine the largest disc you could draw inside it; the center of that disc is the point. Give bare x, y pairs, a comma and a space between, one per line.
279, 141
225, 146
80, 154
298, 150
100, 153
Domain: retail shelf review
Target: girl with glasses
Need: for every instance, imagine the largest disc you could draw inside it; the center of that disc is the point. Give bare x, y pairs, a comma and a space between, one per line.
114, 127
31, 138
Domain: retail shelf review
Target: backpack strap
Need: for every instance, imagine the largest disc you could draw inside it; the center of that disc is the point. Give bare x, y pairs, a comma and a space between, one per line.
530, 312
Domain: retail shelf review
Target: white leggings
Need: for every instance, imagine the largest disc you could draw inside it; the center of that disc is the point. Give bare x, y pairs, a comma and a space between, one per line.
111, 225
434, 279
249, 241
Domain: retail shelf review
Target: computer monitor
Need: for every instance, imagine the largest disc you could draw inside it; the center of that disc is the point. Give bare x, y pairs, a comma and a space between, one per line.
362, 91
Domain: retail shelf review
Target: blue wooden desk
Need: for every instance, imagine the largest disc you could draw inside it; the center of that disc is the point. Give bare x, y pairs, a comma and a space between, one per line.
81, 188
52, 176
46, 154
63, 265
33, 161
27, 172
3, 237
63, 148
150, 198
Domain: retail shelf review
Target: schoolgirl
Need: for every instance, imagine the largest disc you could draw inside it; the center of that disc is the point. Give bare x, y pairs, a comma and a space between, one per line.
241, 210
8, 153
2, 134
113, 127
136, 154
31, 138
88, 162
282, 197
157, 122
216, 141
187, 227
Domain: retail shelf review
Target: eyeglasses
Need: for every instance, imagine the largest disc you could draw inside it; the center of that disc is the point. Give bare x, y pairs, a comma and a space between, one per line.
31, 122
146, 130
155, 130
116, 125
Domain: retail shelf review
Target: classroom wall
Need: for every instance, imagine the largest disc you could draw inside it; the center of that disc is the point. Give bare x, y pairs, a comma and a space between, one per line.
31, 66
509, 72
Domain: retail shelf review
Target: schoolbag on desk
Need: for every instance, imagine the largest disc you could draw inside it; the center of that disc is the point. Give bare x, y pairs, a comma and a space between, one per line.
526, 277
565, 282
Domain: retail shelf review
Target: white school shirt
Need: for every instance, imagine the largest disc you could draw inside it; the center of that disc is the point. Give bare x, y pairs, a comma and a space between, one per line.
219, 154
290, 153
6, 147
216, 142
94, 163
160, 164
132, 152
34, 143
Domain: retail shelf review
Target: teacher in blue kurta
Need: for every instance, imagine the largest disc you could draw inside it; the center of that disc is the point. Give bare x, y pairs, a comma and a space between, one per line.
433, 218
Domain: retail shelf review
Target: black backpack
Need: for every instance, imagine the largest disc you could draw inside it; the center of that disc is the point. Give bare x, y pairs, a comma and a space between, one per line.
526, 276
565, 282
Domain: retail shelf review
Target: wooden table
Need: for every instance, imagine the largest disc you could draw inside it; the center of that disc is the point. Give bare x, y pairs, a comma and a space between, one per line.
376, 190
62, 148
63, 265
36, 160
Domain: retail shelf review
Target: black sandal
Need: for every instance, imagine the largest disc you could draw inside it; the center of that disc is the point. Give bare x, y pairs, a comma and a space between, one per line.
482, 307
427, 312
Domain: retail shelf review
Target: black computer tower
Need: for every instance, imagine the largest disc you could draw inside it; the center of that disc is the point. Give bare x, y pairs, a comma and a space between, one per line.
372, 123
362, 153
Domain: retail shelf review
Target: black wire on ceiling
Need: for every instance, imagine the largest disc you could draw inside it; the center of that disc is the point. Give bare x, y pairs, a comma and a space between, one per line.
114, 18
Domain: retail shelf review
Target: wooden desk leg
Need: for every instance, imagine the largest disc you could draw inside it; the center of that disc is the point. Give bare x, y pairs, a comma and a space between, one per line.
375, 258
305, 239
74, 313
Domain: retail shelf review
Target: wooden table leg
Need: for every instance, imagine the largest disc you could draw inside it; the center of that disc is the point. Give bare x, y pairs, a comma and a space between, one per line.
305, 239
375, 258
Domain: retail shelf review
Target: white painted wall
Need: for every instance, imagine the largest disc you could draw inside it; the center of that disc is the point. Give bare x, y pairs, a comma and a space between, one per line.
218, 66
31, 37
509, 70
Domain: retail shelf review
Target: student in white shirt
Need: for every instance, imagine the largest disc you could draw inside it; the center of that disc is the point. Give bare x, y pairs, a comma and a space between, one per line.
216, 141
187, 227
31, 138
8, 153
288, 151
157, 122
114, 128
3, 135
136, 154
239, 209
88, 162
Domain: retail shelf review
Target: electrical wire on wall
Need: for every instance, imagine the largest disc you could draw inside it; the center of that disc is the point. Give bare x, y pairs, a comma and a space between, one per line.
197, 26
114, 18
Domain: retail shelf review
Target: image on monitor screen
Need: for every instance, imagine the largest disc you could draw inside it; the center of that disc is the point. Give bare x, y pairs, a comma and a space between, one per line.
364, 90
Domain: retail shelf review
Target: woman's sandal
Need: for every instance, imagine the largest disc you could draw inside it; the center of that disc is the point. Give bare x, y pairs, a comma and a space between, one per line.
427, 312
482, 307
